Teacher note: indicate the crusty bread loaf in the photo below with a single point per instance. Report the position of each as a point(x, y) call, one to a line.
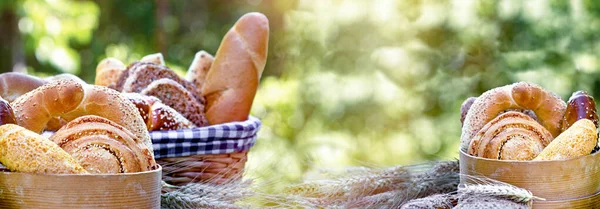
point(548, 108)
point(70, 99)
point(102, 146)
point(140, 75)
point(176, 96)
point(13, 85)
point(25, 151)
point(233, 78)
point(578, 140)
point(158, 116)
point(108, 72)
point(199, 68)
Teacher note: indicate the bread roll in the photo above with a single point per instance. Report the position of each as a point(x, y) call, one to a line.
point(510, 136)
point(7, 115)
point(102, 146)
point(580, 105)
point(108, 72)
point(233, 78)
point(24, 151)
point(577, 140)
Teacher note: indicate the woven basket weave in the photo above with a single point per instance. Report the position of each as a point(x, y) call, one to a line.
point(215, 154)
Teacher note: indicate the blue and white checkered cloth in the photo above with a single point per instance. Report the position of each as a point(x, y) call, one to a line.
point(216, 139)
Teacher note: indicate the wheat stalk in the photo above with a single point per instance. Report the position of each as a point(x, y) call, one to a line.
point(205, 195)
point(486, 187)
point(376, 188)
point(490, 203)
point(438, 201)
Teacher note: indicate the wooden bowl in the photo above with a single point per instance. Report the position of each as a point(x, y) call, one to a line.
point(572, 183)
point(130, 190)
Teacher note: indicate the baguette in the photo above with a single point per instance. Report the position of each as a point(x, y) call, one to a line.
point(232, 81)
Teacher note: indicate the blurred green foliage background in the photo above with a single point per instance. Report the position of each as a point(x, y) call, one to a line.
point(347, 83)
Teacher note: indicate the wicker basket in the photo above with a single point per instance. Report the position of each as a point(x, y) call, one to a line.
point(215, 154)
point(219, 168)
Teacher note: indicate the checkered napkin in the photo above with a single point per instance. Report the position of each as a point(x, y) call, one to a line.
point(216, 139)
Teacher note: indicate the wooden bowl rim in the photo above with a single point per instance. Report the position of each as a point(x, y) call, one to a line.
point(526, 162)
point(157, 170)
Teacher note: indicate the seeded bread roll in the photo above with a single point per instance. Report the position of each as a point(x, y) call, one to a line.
point(232, 81)
point(577, 140)
point(24, 151)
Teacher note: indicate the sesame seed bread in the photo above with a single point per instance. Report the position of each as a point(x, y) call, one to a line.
point(22, 150)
